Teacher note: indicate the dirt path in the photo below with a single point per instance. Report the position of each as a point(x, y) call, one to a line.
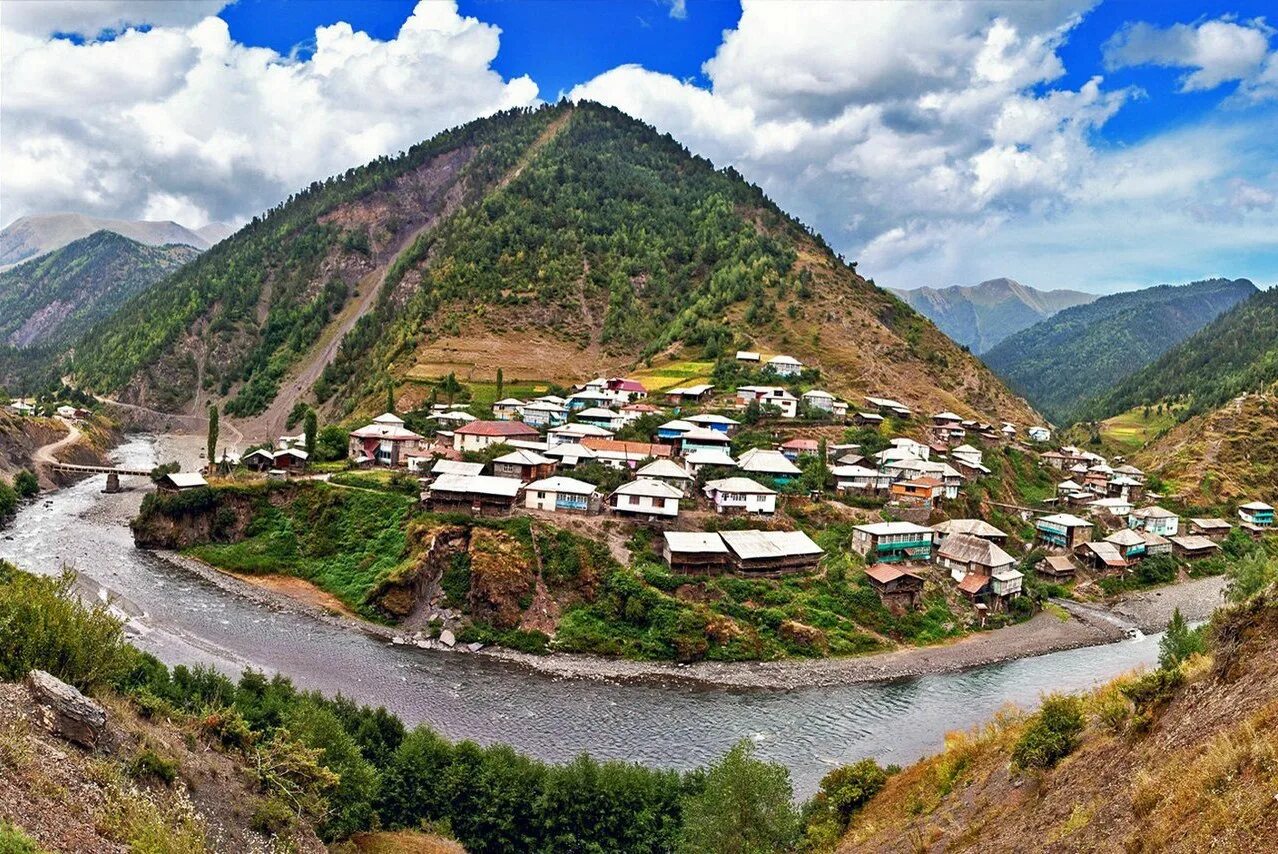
point(47, 455)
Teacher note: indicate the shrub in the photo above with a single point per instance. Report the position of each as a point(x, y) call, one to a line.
point(843, 791)
point(271, 817)
point(1051, 735)
point(149, 765)
point(25, 484)
point(1179, 642)
point(1158, 569)
point(745, 806)
point(14, 841)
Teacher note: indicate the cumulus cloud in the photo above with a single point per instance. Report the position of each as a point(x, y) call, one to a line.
point(1220, 51)
point(181, 121)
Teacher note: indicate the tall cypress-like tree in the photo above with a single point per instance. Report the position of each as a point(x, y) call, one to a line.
point(501, 384)
point(211, 449)
point(390, 398)
point(310, 429)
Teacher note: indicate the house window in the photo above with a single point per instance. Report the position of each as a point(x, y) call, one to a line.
point(541, 495)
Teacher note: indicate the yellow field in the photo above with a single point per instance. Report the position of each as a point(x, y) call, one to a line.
point(662, 377)
point(1130, 431)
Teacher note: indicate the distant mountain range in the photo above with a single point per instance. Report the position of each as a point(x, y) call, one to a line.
point(32, 236)
point(980, 316)
point(1082, 352)
point(55, 298)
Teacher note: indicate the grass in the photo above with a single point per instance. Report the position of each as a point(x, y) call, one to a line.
point(1129, 431)
point(662, 377)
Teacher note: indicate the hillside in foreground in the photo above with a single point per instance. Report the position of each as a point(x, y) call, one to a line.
point(1181, 760)
point(558, 244)
point(980, 316)
point(56, 298)
point(1065, 361)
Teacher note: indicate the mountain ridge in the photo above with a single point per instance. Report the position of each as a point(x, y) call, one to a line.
point(980, 316)
point(35, 235)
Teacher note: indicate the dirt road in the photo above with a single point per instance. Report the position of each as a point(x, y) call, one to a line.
point(47, 455)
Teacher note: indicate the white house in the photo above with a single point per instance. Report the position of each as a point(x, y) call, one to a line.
point(741, 494)
point(646, 497)
point(478, 435)
point(386, 440)
point(698, 460)
point(1116, 506)
point(1154, 520)
point(887, 404)
point(570, 454)
point(668, 471)
point(1039, 434)
point(818, 399)
point(722, 423)
point(860, 479)
point(598, 416)
point(575, 432)
point(747, 356)
point(543, 413)
point(559, 494)
point(768, 462)
point(509, 409)
point(768, 395)
point(785, 366)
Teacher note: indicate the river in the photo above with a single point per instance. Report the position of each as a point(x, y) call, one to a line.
point(183, 618)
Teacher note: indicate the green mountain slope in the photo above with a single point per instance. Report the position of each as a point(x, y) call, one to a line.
point(53, 299)
point(1064, 361)
point(564, 241)
point(980, 316)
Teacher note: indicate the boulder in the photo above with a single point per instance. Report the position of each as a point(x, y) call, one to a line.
point(66, 712)
point(447, 638)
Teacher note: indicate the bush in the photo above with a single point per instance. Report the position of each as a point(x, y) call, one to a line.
point(14, 841)
point(1158, 569)
point(271, 817)
point(8, 499)
point(745, 806)
point(1179, 642)
point(26, 484)
point(149, 765)
point(843, 791)
point(1051, 735)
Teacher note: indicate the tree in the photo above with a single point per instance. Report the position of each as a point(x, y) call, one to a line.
point(25, 484)
point(1179, 642)
point(213, 431)
point(450, 387)
point(310, 429)
point(330, 444)
point(744, 808)
point(390, 398)
point(843, 792)
point(501, 384)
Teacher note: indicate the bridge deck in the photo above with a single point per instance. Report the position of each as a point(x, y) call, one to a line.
point(72, 467)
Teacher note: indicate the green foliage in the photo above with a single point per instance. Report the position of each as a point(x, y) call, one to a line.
point(43, 627)
point(1064, 361)
point(25, 484)
point(211, 446)
point(1251, 574)
point(1051, 734)
point(8, 499)
point(743, 808)
point(310, 429)
point(158, 473)
point(330, 444)
point(150, 766)
point(14, 841)
point(1179, 642)
point(842, 793)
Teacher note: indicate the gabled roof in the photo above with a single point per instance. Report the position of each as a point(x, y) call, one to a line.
point(695, 542)
point(523, 457)
point(495, 429)
point(743, 485)
point(784, 360)
point(677, 424)
point(559, 483)
point(638, 450)
point(765, 461)
point(1195, 543)
point(801, 444)
point(186, 479)
point(974, 527)
point(290, 452)
point(761, 545)
point(570, 449)
point(1107, 552)
point(1154, 512)
point(711, 418)
point(388, 418)
point(854, 471)
point(689, 390)
point(887, 529)
point(540, 405)
point(509, 401)
point(1255, 505)
point(816, 392)
point(886, 573)
point(947, 416)
point(503, 487)
point(579, 429)
point(973, 583)
point(1125, 537)
point(1066, 520)
point(649, 488)
point(664, 468)
point(599, 412)
point(709, 457)
point(456, 467)
point(1211, 524)
point(966, 548)
point(388, 427)
point(705, 434)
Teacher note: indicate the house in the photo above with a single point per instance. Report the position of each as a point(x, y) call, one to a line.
point(964, 554)
point(1257, 513)
point(970, 527)
point(509, 409)
point(1193, 548)
point(947, 427)
point(771, 552)
point(570, 454)
point(694, 553)
point(480, 495)
point(968, 455)
point(1007, 585)
point(860, 479)
point(385, 441)
point(65, 411)
point(259, 460)
point(1039, 434)
point(651, 498)
point(818, 399)
point(785, 366)
point(888, 406)
point(1154, 519)
point(918, 492)
point(289, 459)
point(575, 433)
point(1128, 488)
point(748, 356)
point(1155, 544)
point(1213, 529)
point(561, 495)
point(1059, 568)
point(741, 495)
point(624, 455)
point(792, 449)
point(722, 423)
point(668, 471)
point(453, 418)
point(445, 466)
point(766, 395)
point(543, 413)
point(478, 435)
point(703, 439)
point(899, 588)
point(1117, 507)
point(910, 448)
point(633, 411)
point(598, 416)
point(1062, 531)
point(1101, 556)
point(867, 419)
point(769, 463)
point(622, 390)
point(22, 407)
point(839, 409)
point(180, 481)
point(892, 542)
point(523, 465)
point(689, 393)
point(1130, 544)
point(698, 460)
point(672, 430)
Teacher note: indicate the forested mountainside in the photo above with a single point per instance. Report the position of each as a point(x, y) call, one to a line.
point(31, 236)
point(1235, 353)
point(1063, 362)
point(55, 298)
point(980, 316)
point(571, 239)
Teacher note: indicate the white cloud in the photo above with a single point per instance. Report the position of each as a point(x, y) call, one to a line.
point(91, 17)
point(678, 9)
point(182, 121)
point(1220, 51)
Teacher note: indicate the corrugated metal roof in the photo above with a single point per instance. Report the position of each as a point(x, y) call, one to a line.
point(695, 542)
point(761, 545)
point(562, 484)
point(504, 487)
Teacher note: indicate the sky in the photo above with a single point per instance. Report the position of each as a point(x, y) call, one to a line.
point(1099, 146)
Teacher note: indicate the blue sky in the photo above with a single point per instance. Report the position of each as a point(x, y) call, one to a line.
point(1065, 143)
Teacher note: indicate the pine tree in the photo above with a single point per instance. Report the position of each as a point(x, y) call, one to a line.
point(390, 398)
point(501, 385)
point(310, 430)
point(211, 449)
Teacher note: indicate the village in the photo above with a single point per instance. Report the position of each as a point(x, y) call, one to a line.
point(711, 473)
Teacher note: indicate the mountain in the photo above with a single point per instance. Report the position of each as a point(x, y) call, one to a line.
point(556, 243)
point(1063, 361)
point(980, 316)
point(215, 232)
point(31, 236)
point(53, 299)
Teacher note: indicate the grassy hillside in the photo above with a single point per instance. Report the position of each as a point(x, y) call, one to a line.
point(1065, 361)
point(980, 316)
point(54, 299)
point(558, 243)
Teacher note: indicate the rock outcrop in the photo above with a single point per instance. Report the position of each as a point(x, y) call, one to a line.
point(66, 712)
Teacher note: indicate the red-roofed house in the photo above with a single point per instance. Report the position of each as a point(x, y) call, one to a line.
point(386, 441)
point(478, 435)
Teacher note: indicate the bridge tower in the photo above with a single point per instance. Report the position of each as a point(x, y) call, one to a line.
point(113, 483)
